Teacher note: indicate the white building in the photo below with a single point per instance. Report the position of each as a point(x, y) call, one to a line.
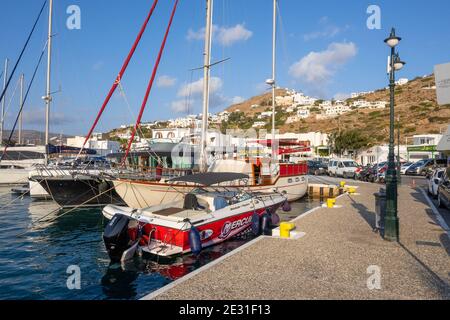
point(102, 147)
point(284, 101)
point(401, 82)
point(424, 147)
point(360, 94)
point(380, 154)
point(303, 113)
point(292, 119)
point(259, 124)
point(173, 134)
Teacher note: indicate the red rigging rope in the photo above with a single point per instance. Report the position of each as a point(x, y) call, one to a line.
point(150, 84)
point(121, 73)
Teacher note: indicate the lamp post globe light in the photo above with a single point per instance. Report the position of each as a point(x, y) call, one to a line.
point(391, 232)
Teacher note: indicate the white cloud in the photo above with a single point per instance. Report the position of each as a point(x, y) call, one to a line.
point(179, 106)
point(37, 117)
point(165, 81)
point(327, 30)
point(237, 100)
point(342, 96)
point(195, 89)
point(318, 68)
point(193, 96)
point(224, 36)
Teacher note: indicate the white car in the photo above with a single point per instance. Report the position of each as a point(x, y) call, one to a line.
point(405, 167)
point(342, 168)
point(434, 180)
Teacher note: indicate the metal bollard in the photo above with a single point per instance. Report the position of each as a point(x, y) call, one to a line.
point(380, 210)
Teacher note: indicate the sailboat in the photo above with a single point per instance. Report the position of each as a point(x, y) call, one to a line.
point(16, 164)
point(266, 174)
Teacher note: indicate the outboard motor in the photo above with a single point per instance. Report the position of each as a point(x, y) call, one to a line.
point(265, 224)
point(256, 225)
point(195, 240)
point(116, 237)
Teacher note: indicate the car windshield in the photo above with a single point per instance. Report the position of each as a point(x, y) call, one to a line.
point(408, 164)
point(350, 164)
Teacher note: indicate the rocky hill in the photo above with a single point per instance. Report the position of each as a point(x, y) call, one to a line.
point(416, 105)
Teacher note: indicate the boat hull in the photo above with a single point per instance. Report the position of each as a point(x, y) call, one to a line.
point(169, 236)
point(13, 176)
point(83, 192)
point(141, 194)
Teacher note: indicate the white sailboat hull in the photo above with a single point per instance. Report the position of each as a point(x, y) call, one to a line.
point(13, 176)
point(145, 194)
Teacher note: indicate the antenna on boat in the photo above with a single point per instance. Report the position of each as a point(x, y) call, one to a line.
point(206, 75)
point(48, 97)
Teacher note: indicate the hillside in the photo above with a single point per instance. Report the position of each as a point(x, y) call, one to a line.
point(416, 104)
point(33, 136)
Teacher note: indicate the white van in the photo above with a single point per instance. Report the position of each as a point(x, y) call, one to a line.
point(342, 168)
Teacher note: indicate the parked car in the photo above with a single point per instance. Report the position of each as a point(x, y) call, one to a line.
point(342, 168)
point(444, 190)
point(405, 166)
point(434, 180)
point(422, 167)
point(316, 168)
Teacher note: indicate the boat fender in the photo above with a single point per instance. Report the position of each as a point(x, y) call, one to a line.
point(256, 226)
point(275, 219)
point(195, 241)
point(265, 224)
point(286, 206)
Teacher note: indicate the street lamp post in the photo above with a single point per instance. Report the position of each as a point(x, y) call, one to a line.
point(399, 166)
point(391, 232)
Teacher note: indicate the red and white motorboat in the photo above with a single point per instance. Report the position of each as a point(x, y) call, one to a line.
point(204, 217)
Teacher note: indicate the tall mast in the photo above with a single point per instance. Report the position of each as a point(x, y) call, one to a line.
point(206, 75)
point(48, 97)
point(2, 122)
point(274, 44)
point(20, 106)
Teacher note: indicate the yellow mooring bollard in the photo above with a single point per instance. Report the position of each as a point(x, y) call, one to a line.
point(285, 229)
point(342, 184)
point(330, 203)
point(351, 190)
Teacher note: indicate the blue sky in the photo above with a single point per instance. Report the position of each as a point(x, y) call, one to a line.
point(324, 49)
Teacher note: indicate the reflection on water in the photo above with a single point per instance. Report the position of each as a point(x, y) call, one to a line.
point(38, 243)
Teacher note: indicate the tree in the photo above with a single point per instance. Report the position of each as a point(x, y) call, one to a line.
point(351, 141)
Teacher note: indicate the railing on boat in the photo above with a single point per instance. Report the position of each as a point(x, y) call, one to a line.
point(291, 169)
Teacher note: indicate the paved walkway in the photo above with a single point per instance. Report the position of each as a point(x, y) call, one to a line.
point(331, 261)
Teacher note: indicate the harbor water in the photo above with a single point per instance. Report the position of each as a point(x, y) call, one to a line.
point(41, 248)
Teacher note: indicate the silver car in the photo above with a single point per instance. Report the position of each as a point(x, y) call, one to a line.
point(434, 180)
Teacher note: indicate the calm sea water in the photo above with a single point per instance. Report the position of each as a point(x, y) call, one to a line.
point(38, 243)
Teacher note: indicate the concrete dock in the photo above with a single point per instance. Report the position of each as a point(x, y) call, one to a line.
point(339, 257)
